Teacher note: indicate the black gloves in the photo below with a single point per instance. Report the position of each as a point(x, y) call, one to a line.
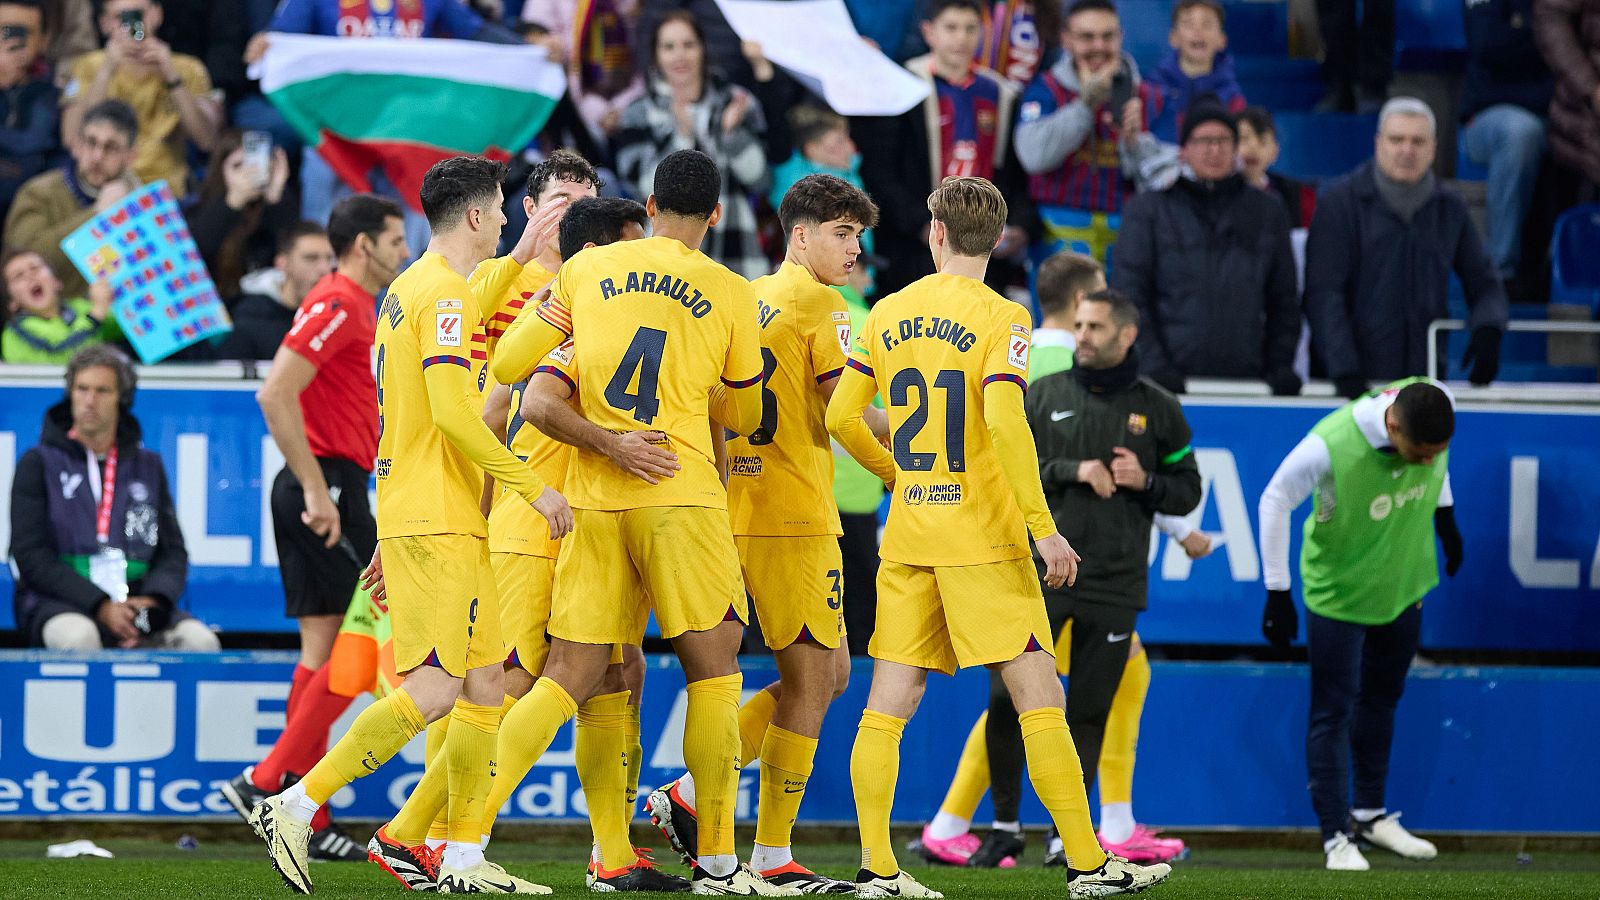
point(1284, 383)
point(1483, 355)
point(1279, 622)
point(1350, 386)
point(1444, 523)
point(1170, 379)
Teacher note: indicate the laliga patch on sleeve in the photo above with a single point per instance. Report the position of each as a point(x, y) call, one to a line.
point(844, 337)
point(448, 329)
point(1029, 111)
point(563, 353)
point(1018, 355)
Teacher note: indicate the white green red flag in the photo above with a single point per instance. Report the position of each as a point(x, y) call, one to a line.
point(400, 106)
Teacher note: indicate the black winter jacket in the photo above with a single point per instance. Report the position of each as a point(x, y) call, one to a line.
point(1072, 422)
point(1373, 282)
point(1210, 266)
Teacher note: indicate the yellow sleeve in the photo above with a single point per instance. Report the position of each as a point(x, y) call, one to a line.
point(454, 401)
point(491, 284)
point(1004, 381)
point(739, 408)
point(829, 336)
point(851, 396)
point(541, 326)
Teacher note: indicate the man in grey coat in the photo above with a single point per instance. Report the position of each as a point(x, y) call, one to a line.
point(1382, 245)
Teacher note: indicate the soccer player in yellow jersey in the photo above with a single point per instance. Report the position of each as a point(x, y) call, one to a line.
point(950, 357)
point(662, 332)
point(432, 453)
point(786, 525)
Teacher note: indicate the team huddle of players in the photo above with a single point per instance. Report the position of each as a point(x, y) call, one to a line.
point(657, 431)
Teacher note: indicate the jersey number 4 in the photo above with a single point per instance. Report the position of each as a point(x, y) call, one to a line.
point(644, 357)
point(954, 384)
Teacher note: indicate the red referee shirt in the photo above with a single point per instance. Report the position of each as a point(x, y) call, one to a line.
point(333, 330)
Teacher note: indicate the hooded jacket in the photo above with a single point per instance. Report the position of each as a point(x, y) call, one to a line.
point(1211, 268)
point(260, 318)
point(1178, 92)
point(53, 521)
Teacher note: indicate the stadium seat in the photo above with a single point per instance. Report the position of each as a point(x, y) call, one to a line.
point(1258, 27)
point(1429, 34)
point(1466, 169)
point(1321, 146)
point(1145, 24)
point(1575, 270)
point(1279, 83)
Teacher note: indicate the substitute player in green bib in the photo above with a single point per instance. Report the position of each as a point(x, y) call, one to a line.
point(1378, 469)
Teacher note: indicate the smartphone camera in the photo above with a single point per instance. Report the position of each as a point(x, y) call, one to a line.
point(256, 148)
point(132, 21)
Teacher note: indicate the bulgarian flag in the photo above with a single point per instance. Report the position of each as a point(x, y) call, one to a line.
point(403, 105)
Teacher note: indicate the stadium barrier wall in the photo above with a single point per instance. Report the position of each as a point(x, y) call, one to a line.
point(151, 735)
point(1527, 500)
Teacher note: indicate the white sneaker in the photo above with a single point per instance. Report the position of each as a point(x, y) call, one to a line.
point(1345, 856)
point(742, 882)
point(1386, 832)
point(485, 878)
point(1115, 876)
point(871, 884)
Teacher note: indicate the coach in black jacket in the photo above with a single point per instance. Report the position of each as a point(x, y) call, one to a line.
point(1209, 264)
point(1113, 451)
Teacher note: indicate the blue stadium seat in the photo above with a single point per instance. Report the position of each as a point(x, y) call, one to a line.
point(1258, 27)
point(1466, 169)
point(1145, 24)
point(1429, 34)
point(1320, 146)
point(1278, 82)
point(1575, 270)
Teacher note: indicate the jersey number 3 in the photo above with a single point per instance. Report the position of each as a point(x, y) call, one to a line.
point(954, 384)
point(644, 357)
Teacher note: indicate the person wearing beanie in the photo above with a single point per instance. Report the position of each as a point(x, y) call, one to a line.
point(1209, 265)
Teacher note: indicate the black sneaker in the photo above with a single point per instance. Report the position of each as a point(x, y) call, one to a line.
point(802, 879)
point(1000, 850)
point(641, 876)
point(331, 844)
point(676, 820)
point(415, 867)
point(1055, 853)
point(242, 793)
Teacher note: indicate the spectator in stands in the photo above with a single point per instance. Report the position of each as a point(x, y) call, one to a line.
point(266, 309)
point(1357, 60)
point(1504, 100)
point(170, 93)
point(1209, 265)
point(822, 146)
point(240, 212)
point(42, 328)
point(1568, 31)
point(1197, 67)
point(52, 205)
point(1258, 150)
point(71, 34)
point(598, 53)
point(1082, 132)
point(29, 117)
point(1378, 260)
point(904, 159)
point(99, 555)
point(689, 107)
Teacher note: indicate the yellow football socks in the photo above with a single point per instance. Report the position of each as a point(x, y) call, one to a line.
point(1122, 731)
point(972, 773)
point(710, 751)
point(635, 758)
point(528, 729)
point(599, 747)
point(786, 760)
point(468, 755)
point(376, 735)
point(1057, 778)
point(874, 767)
point(423, 813)
point(754, 717)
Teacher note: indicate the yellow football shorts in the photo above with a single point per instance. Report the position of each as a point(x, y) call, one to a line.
point(798, 587)
point(525, 584)
point(944, 617)
point(443, 602)
point(618, 565)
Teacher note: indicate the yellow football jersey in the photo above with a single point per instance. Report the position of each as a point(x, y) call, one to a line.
point(780, 478)
point(931, 348)
point(514, 525)
point(426, 485)
point(660, 324)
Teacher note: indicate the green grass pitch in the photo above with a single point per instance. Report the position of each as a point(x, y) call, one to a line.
point(148, 868)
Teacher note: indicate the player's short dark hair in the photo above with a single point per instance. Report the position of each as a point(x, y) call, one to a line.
point(1063, 277)
point(938, 8)
point(1083, 6)
point(562, 165)
point(1184, 6)
point(820, 198)
point(688, 184)
point(1123, 312)
point(113, 359)
point(973, 212)
point(598, 221)
point(359, 214)
point(455, 185)
point(288, 236)
point(1259, 119)
point(115, 113)
point(1425, 413)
